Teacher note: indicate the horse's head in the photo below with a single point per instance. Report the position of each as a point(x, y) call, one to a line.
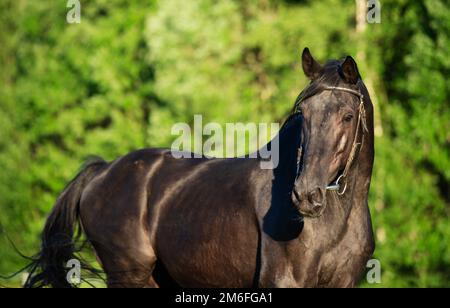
point(333, 124)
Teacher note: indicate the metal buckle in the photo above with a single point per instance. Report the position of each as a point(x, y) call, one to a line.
point(337, 186)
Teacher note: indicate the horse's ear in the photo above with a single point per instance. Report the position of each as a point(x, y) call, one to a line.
point(311, 67)
point(350, 70)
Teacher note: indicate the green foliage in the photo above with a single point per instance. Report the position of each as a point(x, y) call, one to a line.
point(119, 80)
point(412, 175)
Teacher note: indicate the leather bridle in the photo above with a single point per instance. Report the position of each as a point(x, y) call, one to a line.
point(336, 186)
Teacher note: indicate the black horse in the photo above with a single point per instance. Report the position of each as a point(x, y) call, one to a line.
point(154, 220)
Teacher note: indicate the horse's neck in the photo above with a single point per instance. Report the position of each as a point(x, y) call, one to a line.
point(283, 149)
point(346, 216)
point(281, 219)
point(285, 145)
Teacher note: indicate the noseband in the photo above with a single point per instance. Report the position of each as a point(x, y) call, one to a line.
point(336, 186)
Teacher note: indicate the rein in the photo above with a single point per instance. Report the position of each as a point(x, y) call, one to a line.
point(361, 122)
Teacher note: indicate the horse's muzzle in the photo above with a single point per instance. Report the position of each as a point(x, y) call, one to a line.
point(311, 204)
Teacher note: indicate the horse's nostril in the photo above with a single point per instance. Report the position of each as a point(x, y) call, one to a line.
point(317, 209)
point(297, 196)
point(316, 196)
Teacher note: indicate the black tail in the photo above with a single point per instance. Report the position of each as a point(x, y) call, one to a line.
point(48, 268)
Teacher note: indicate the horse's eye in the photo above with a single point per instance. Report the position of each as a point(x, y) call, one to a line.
point(348, 117)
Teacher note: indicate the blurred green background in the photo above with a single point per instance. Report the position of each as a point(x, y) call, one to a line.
point(121, 78)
